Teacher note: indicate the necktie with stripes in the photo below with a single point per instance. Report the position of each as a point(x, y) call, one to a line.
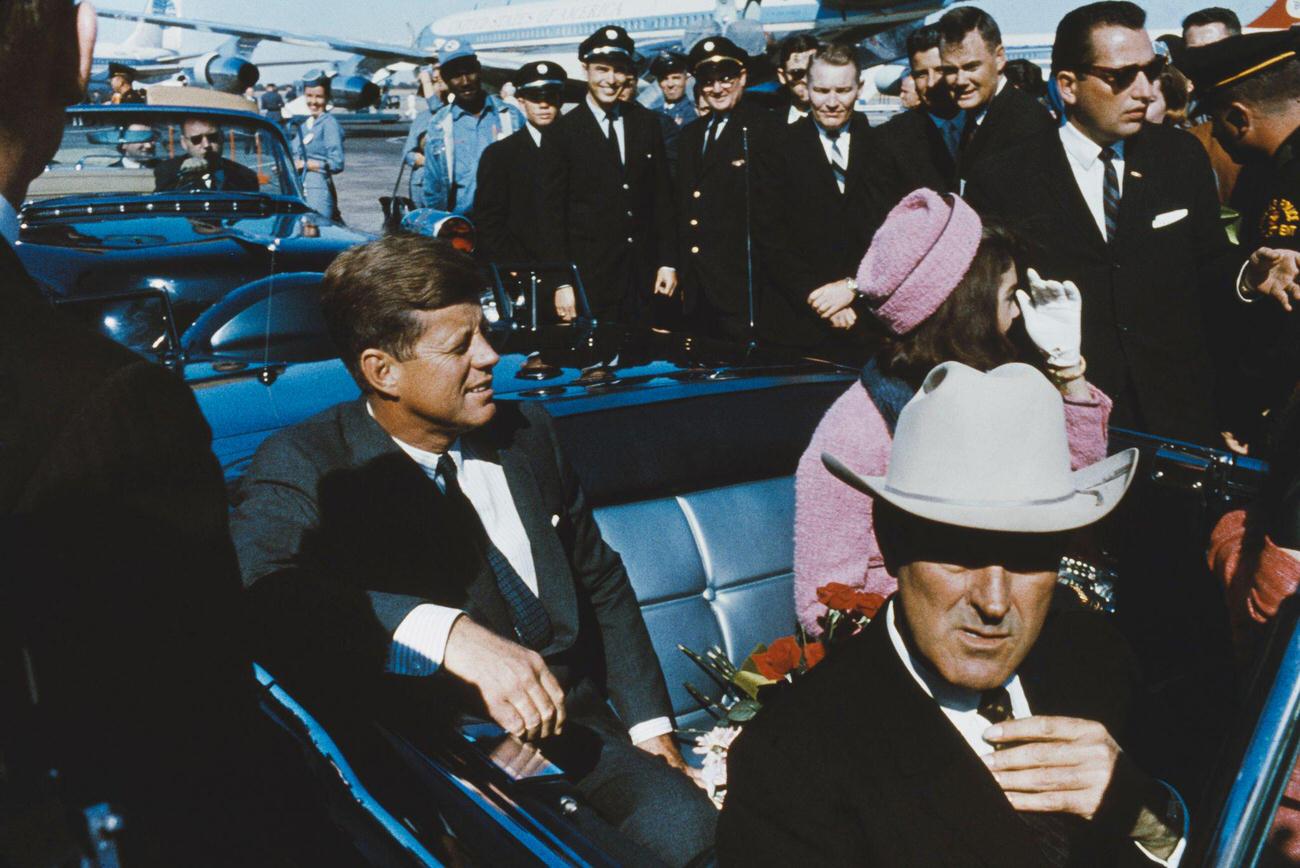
point(532, 624)
point(838, 163)
point(1110, 194)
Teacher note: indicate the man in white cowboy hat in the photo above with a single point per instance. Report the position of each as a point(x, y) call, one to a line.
point(973, 722)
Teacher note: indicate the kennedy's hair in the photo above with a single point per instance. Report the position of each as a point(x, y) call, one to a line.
point(796, 43)
point(922, 39)
point(38, 46)
point(965, 326)
point(370, 292)
point(837, 54)
point(957, 22)
point(1214, 15)
point(1073, 48)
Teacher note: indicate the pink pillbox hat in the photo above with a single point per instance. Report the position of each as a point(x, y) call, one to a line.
point(917, 258)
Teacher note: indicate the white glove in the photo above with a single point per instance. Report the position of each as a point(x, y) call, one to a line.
point(1053, 312)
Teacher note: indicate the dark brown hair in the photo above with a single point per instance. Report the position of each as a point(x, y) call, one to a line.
point(370, 292)
point(965, 326)
point(38, 45)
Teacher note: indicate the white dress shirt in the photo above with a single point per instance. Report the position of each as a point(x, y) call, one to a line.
point(8, 222)
point(602, 118)
point(984, 109)
point(961, 706)
point(794, 115)
point(713, 132)
point(840, 142)
point(420, 641)
point(1084, 157)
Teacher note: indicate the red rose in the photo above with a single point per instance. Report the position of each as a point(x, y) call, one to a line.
point(783, 655)
point(838, 596)
point(867, 604)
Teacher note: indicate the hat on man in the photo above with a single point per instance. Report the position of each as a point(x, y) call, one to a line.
point(989, 451)
point(1238, 57)
point(610, 42)
point(917, 258)
point(540, 75)
point(666, 63)
point(715, 49)
point(123, 70)
point(456, 54)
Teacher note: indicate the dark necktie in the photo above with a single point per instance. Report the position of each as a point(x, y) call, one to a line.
point(968, 130)
point(613, 136)
point(838, 164)
point(1049, 829)
point(1110, 194)
point(532, 624)
point(714, 125)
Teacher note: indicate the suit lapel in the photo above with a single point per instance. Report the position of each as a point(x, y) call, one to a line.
point(595, 128)
point(859, 151)
point(816, 161)
point(1132, 203)
point(1059, 177)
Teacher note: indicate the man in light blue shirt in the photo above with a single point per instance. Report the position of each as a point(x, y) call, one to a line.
point(458, 133)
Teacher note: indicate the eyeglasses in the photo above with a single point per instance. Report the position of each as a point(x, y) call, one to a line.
point(797, 74)
point(1121, 78)
point(726, 79)
point(199, 139)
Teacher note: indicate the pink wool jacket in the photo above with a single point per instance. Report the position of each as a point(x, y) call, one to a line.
point(833, 536)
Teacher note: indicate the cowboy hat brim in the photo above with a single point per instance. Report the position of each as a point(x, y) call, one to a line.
point(1098, 488)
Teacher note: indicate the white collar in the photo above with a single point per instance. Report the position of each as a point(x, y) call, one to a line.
point(427, 460)
point(8, 222)
point(534, 132)
point(600, 113)
point(1084, 150)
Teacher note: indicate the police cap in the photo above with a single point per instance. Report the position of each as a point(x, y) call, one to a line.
point(715, 49)
point(1237, 58)
point(609, 42)
point(123, 70)
point(539, 75)
point(666, 63)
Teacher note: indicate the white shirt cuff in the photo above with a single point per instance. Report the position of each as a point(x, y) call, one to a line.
point(650, 729)
point(1175, 857)
point(1241, 283)
point(420, 641)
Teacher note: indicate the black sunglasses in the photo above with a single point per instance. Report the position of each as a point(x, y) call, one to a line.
point(215, 138)
point(1121, 78)
point(797, 74)
point(723, 78)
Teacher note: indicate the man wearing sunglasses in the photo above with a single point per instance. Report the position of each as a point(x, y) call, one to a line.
point(793, 59)
point(1129, 212)
point(203, 167)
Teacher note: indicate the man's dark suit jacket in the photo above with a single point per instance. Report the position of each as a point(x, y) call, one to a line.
point(910, 154)
point(1013, 117)
point(506, 208)
point(715, 226)
point(857, 765)
point(809, 233)
point(239, 178)
point(340, 535)
point(1146, 298)
point(615, 221)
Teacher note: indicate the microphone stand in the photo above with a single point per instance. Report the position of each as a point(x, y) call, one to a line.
point(749, 235)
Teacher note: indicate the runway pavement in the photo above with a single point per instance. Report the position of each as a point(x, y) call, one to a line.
point(370, 170)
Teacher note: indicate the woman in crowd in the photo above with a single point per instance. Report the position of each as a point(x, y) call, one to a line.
point(943, 285)
point(318, 151)
point(1172, 94)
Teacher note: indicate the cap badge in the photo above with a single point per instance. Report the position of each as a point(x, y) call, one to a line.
point(611, 33)
point(450, 45)
point(708, 46)
point(541, 67)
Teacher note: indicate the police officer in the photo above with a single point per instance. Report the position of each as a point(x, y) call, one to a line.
point(715, 190)
point(669, 69)
point(121, 81)
point(506, 210)
point(460, 132)
point(606, 193)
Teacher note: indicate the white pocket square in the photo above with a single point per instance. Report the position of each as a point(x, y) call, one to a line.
point(555, 521)
point(1168, 217)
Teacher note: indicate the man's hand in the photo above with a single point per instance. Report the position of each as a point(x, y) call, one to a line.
point(566, 303)
point(666, 282)
point(520, 693)
point(845, 319)
point(664, 747)
point(831, 298)
point(1273, 272)
point(1068, 765)
point(299, 165)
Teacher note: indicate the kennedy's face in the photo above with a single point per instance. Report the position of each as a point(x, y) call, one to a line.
point(971, 69)
point(833, 90)
point(974, 601)
point(605, 80)
point(673, 85)
point(446, 382)
point(202, 139)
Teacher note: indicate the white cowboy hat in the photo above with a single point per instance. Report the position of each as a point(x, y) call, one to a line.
point(989, 451)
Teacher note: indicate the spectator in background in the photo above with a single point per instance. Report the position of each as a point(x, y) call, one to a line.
point(944, 286)
point(669, 69)
point(458, 133)
point(792, 60)
point(271, 103)
point(997, 117)
point(432, 95)
point(318, 150)
point(1026, 76)
point(701, 104)
point(1201, 28)
point(1208, 25)
point(1170, 98)
point(121, 81)
point(907, 94)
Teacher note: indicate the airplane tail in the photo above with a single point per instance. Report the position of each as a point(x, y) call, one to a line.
point(1283, 13)
point(148, 35)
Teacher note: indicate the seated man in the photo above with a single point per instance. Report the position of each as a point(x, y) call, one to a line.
point(967, 724)
point(424, 531)
point(204, 168)
point(137, 146)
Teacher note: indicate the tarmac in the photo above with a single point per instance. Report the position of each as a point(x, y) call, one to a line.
point(370, 168)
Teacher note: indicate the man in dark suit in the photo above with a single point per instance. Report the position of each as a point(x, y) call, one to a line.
point(824, 163)
point(204, 168)
point(424, 532)
point(1128, 211)
point(715, 195)
point(918, 147)
point(975, 720)
point(506, 209)
point(997, 117)
point(607, 195)
point(793, 57)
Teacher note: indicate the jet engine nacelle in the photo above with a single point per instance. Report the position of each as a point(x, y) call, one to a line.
point(353, 92)
point(226, 72)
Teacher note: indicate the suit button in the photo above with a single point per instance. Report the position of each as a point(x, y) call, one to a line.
point(626, 187)
point(695, 250)
point(629, 213)
point(694, 222)
point(696, 194)
point(629, 240)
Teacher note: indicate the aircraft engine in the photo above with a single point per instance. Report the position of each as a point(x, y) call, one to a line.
point(226, 72)
point(353, 92)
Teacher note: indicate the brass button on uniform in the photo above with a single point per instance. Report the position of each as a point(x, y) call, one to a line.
point(696, 194)
point(694, 222)
point(695, 250)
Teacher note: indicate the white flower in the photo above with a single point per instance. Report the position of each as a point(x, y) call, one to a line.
point(716, 740)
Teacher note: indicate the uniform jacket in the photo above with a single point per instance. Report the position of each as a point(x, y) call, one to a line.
point(1147, 297)
point(715, 225)
point(1013, 117)
point(440, 153)
point(340, 535)
point(911, 154)
point(506, 210)
point(615, 222)
point(883, 778)
point(808, 232)
point(324, 144)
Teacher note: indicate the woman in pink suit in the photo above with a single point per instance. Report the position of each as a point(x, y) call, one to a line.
point(944, 285)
